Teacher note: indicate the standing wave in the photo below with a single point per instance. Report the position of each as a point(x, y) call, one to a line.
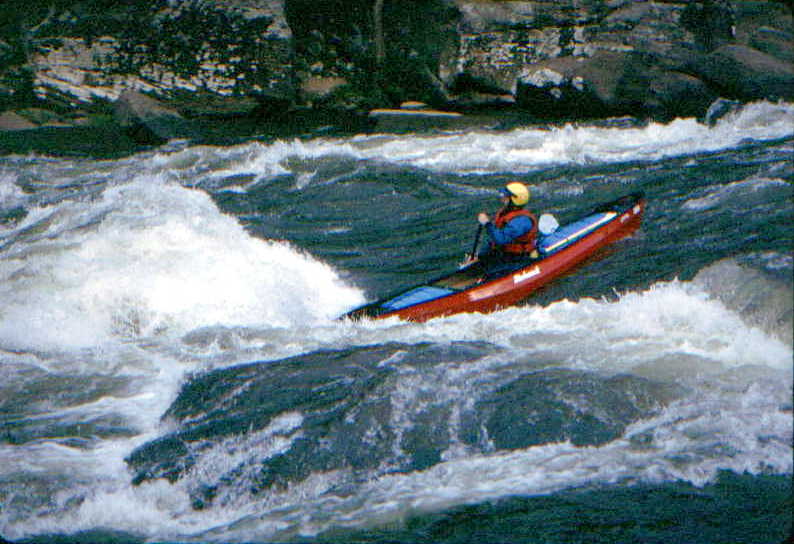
point(519, 150)
point(146, 259)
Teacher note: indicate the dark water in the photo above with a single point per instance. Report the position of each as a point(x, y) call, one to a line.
point(173, 370)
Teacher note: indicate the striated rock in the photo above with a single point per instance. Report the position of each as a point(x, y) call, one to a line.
point(653, 29)
point(564, 59)
point(508, 37)
point(567, 59)
point(571, 59)
point(72, 72)
point(226, 48)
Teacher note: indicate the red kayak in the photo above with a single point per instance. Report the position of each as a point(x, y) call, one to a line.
point(471, 289)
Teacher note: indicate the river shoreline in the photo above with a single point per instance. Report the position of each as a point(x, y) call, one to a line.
point(100, 136)
point(225, 70)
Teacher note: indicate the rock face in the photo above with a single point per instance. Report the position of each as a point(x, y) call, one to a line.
point(169, 49)
point(657, 59)
point(554, 60)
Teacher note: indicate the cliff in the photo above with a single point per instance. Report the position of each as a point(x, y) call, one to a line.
point(562, 59)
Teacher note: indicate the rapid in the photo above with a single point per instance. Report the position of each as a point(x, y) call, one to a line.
point(173, 368)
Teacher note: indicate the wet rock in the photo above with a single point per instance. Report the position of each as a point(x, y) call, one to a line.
point(744, 73)
point(759, 287)
point(10, 120)
point(719, 109)
point(606, 84)
point(148, 120)
point(675, 94)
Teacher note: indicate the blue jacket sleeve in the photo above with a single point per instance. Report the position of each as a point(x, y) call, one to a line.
point(515, 228)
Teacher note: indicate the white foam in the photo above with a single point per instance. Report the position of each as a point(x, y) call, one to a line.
point(640, 328)
point(735, 415)
point(517, 150)
point(149, 259)
point(10, 194)
point(648, 332)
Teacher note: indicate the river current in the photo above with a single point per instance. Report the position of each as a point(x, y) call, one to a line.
point(173, 369)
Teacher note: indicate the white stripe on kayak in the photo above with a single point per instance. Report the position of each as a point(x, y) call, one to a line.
point(608, 217)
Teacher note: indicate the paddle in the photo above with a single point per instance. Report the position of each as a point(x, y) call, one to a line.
point(473, 253)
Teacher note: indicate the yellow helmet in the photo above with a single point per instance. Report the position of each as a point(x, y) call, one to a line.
point(517, 192)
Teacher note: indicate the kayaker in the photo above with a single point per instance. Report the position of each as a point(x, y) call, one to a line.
point(512, 232)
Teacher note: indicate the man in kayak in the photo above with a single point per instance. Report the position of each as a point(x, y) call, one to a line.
point(513, 232)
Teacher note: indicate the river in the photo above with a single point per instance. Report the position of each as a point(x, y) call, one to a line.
point(173, 369)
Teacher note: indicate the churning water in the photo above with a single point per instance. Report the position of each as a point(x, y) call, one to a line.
point(173, 369)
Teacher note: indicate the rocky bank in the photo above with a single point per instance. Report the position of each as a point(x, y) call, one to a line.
point(67, 62)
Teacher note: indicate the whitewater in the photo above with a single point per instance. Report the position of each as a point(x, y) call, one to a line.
point(173, 368)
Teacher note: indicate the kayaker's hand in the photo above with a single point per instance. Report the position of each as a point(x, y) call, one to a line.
point(483, 218)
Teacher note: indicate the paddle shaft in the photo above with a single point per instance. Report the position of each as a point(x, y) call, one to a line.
point(476, 241)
